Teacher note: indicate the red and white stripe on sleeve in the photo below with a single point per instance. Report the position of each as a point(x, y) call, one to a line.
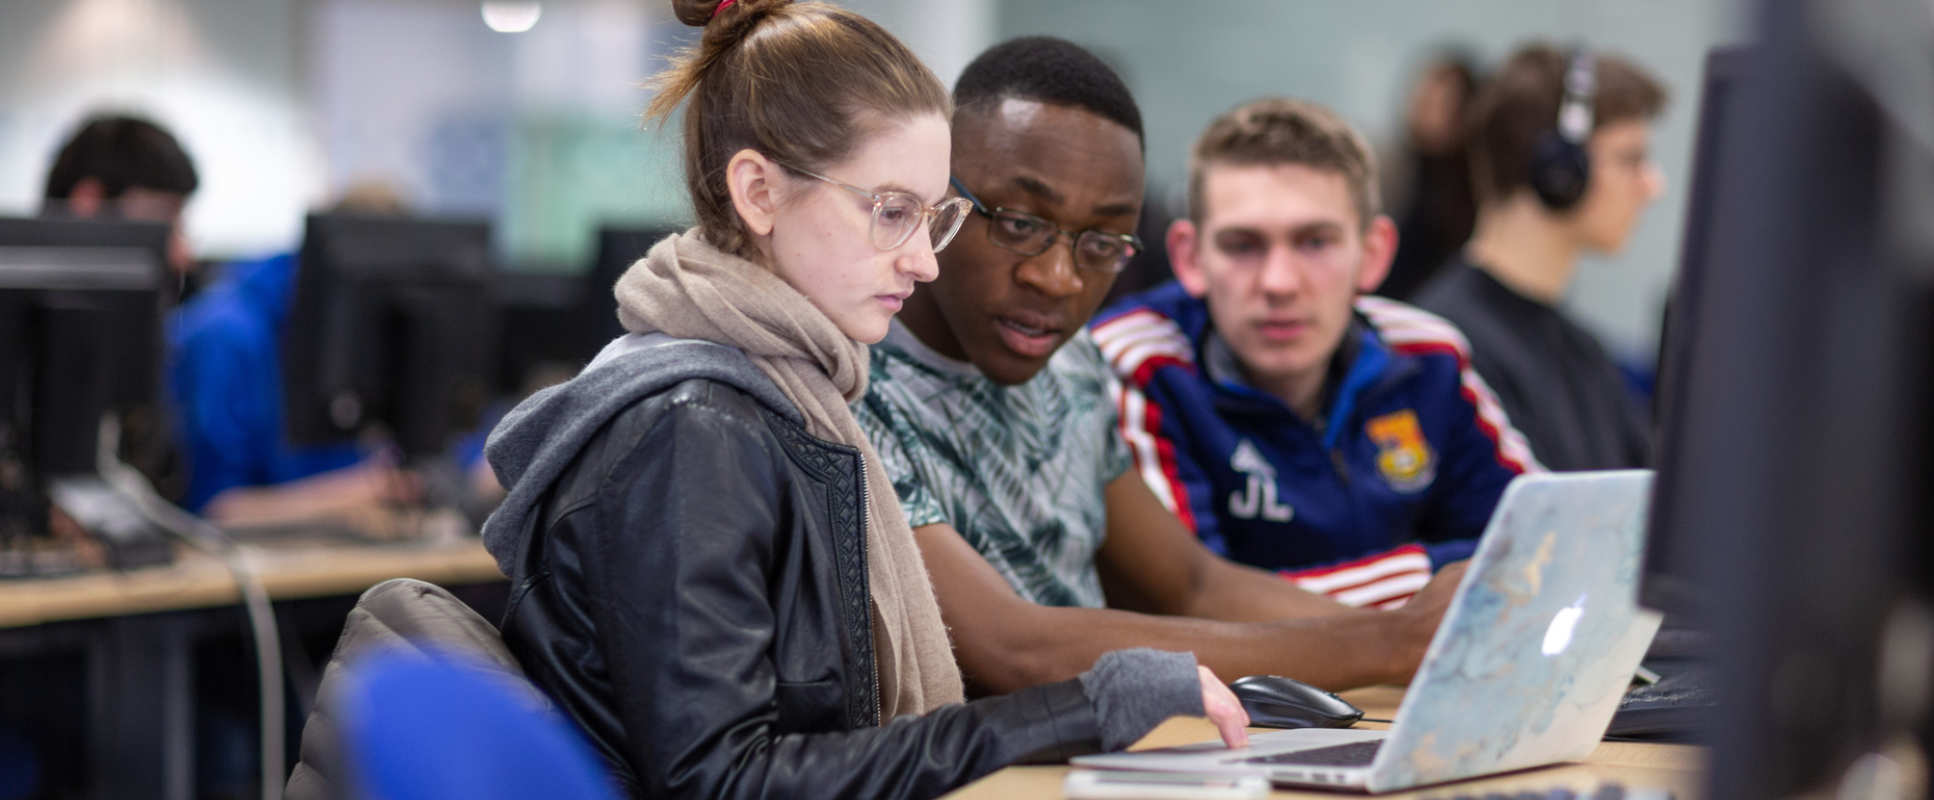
point(1414, 331)
point(1384, 580)
point(1135, 344)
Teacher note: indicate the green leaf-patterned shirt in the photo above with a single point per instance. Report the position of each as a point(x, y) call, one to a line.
point(1019, 471)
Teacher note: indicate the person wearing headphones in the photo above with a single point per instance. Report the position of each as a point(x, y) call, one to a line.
point(1560, 156)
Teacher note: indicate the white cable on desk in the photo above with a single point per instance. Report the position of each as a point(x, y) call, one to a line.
point(198, 533)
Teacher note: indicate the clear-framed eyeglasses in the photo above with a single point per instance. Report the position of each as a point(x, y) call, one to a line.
point(896, 215)
point(1096, 251)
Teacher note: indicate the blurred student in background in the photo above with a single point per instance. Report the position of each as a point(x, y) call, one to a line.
point(1427, 179)
point(121, 166)
point(225, 378)
point(1560, 146)
point(226, 455)
point(114, 166)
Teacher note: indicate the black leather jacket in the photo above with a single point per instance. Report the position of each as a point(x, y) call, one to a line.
point(693, 593)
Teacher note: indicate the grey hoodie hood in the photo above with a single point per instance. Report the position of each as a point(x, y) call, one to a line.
point(533, 444)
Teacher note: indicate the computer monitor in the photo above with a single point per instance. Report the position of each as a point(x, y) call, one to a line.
point(138, 378)
point(564, 318)
point(80, 339)
point(1671, 583)
point(542, 307)
point(1793, 485)
point(618, 248)
point(392, 328)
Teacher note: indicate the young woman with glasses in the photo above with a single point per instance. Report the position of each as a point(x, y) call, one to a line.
point(710, 572)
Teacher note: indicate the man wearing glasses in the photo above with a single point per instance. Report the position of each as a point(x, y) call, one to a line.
point(1294, 426)
point(992, 412)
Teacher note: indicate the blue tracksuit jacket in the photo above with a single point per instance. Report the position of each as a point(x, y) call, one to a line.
point(1399, 477)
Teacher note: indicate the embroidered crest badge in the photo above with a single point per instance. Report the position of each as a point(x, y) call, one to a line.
point(1403, 456)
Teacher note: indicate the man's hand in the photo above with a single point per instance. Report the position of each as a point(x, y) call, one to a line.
point(374, 486)
point(1425, 610)
point(380, 481)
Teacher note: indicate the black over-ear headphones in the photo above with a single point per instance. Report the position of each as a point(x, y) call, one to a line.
point(1560, 167)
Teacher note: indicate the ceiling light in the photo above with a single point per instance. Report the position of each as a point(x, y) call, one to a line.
point(506, 16)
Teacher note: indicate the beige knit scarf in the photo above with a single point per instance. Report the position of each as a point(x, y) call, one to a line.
point(687, 288)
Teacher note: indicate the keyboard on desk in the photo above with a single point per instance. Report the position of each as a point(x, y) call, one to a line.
point(1673, 708)
point(1354, 754)
point(1605, 791)
point(300, 533)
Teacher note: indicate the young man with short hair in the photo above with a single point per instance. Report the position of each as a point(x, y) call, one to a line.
point(118, 166)
point(991, 411)
point(1293, 424)
point(124, 167)
point(1559, 147)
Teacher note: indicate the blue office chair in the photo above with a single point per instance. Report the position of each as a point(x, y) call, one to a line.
point(451, 726)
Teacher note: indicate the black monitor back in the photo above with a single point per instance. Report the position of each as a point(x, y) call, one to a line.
point(80, 338)
point(133, 332)
point(1671, 580)
point(563, 319)
point(392, 327)
point(551, 340)
point(618, 248)
point(1792, 512)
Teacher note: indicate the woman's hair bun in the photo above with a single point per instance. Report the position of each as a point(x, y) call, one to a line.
point(700, 13)
point(694, 12)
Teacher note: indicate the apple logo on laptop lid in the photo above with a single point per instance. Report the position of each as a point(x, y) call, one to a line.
point(1558, 636)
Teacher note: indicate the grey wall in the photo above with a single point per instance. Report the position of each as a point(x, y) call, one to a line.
point(283, 102)
point(538, 130)
point(1186, 62)
point(222, 74)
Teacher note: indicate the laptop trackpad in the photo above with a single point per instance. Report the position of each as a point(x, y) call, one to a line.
point(1265, 744)
point(1354, 754)
point(1212, 756)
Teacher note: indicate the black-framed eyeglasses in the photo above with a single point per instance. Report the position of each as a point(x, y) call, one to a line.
point(896, 215)
point(1096, 251)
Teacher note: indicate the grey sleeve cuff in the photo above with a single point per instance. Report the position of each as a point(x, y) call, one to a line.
point(1135, 690)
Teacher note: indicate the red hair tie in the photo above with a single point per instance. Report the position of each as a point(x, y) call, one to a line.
point(723, 5)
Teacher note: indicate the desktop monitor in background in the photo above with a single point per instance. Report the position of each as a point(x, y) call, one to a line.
point(1671, 581)
point(138, 345)
point(392, 329)
point(549, 342)
point(80, 342)
point(563, 319)
point(1794, 502)
point(618, 248)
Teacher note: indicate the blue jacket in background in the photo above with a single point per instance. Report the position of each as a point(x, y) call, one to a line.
point(225, 379)
point(1400, 478)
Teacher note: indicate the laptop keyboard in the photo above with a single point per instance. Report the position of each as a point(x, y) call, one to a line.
point(1671, 708)
point(1354, 754)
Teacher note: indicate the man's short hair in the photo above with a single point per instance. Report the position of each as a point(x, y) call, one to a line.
point(122, 152)
point(1048, 70)
point(1519, 104)
point(1277, 131)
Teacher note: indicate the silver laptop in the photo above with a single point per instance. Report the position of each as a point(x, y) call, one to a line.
point(1526, 669)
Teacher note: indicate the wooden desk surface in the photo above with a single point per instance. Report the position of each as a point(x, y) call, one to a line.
point(198, 580)
point(1678, 768)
